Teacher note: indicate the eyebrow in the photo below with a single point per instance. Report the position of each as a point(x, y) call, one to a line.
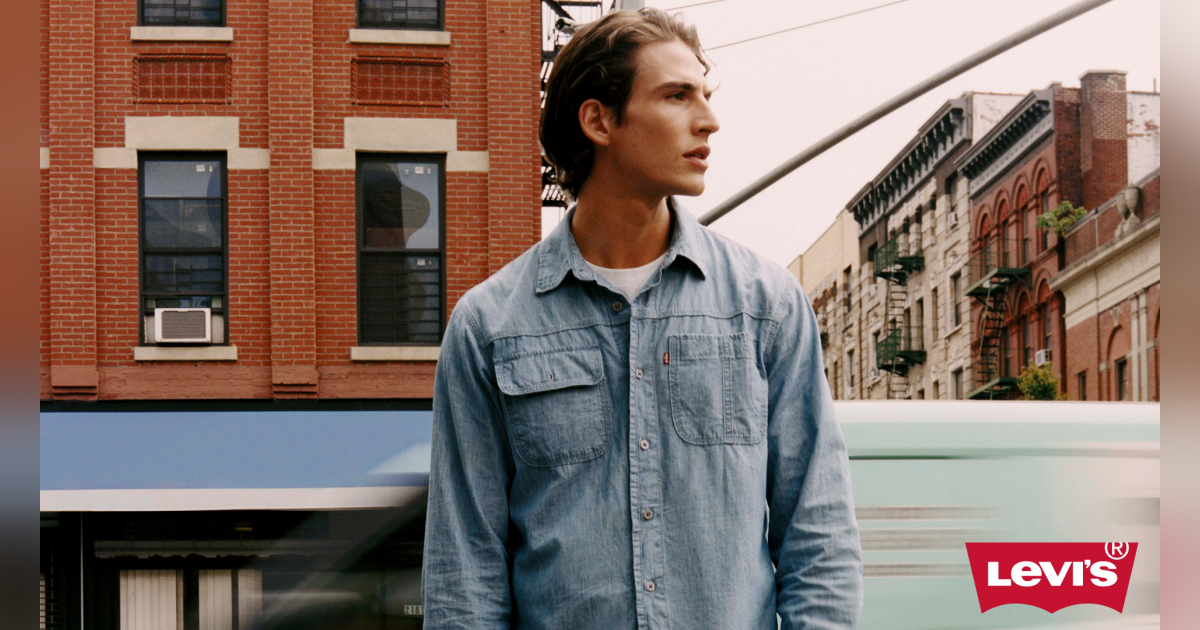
point(685, 86)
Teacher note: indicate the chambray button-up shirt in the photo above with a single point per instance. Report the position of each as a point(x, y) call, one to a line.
point(670, 462)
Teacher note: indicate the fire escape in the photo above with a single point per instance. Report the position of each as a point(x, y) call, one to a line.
point(998, 265)
point(559, 20)
point(901, 346)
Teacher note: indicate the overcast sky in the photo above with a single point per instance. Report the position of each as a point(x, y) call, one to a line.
point(780, 94)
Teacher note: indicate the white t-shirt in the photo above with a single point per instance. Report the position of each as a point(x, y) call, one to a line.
point(629, 281)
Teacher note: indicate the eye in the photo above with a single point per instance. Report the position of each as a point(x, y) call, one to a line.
point(679, 96)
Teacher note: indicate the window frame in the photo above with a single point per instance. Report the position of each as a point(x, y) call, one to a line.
point(183, 156)
point(358, 21)
point(141, 17)
point(955, 289)
point(1120, 373)
point(360, 159)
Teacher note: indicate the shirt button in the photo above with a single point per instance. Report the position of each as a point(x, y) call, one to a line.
point(645, 445)
point(617, 306)
point(639, 373)
point(648, 514)
point(650, 586)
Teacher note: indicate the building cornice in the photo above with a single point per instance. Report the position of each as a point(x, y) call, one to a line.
point(938, 138)
point(1021, 129)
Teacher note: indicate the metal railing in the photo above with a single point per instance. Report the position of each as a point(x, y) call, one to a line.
point(998, 258)
point(897, 342)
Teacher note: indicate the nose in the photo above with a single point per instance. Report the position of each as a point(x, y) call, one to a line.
point(706, 121)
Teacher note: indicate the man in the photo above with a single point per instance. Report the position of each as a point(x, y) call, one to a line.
point(631, 424)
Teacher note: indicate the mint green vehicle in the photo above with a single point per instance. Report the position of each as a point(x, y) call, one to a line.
point(931, 476)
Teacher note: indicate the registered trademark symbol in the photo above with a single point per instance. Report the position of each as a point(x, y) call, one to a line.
point(1116, 550)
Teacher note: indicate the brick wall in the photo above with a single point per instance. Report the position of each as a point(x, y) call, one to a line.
point(1104, 157)
point(292, 277)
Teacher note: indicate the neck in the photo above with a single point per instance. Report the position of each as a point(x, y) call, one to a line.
point(618, 230)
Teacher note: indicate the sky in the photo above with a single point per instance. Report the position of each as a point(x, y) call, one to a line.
point(776, 96)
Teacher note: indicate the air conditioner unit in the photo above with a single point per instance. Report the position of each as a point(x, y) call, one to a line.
point(182, 325)
point(953, 219)
point(1042, 357)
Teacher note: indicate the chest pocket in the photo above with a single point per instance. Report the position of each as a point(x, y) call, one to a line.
point(717, 393)
point(557, 406)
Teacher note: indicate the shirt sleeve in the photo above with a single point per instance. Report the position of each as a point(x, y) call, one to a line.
point(812, 531)
point(465, 574)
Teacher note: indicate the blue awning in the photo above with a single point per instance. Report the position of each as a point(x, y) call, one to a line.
point(119, 461)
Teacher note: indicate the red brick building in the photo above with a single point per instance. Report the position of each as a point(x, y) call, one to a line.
point(256, 218)
point(1081, 145)
point(284, 100)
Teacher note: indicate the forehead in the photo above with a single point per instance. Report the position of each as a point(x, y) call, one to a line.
point(668, 62)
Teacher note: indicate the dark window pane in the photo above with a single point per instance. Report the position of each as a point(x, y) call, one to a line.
point(197, 301)
point(400, 299)
point(165, 273)
point(182, 178)
point(183, 223)
point(401, 205)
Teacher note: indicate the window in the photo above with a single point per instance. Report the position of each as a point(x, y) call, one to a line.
point(1122, 379)
point(836, 384)
point(871, 261)
point(918, 331)
point(181, 12)
point(850, 370)
point(1005, 354)
point(937, 395)
point(846, 288)
point(400, 14)
point(401, 245)
point(1026, 342)
point(874, 349)
point(1081, 379)
point(1045, 233)
point(957, 375)
point(1046, 327)
point(955, 281)
point(920, 394)
point(933, 314)
point(182, 208)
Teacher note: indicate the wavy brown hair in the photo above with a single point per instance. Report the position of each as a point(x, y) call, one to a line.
point(599, 62)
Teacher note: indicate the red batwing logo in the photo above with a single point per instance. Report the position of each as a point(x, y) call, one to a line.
point(1051, 576)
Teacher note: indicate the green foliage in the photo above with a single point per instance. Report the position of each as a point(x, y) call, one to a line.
point(1061, 219)
point(1039, 383)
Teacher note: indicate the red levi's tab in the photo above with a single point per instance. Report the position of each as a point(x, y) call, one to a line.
point(1051, 576)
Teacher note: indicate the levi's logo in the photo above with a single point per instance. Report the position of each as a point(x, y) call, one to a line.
point(1051, 576)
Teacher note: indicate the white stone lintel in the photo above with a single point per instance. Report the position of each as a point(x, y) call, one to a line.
point(44, 159)
point(185, 353)
point(181, 133)
point(344, 160)
point(395, 353)
point(392, 36)
point(180, 34)
point(415, 135)
point(238, 158)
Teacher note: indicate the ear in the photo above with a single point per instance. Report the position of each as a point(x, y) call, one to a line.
point(597, 122)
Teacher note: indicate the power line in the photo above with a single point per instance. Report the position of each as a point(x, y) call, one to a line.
point(696, 4)
point(794, 28)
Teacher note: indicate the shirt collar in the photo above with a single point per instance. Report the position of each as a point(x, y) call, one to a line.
point(559, 253)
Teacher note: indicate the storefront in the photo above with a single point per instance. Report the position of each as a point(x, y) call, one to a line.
point(166, 517)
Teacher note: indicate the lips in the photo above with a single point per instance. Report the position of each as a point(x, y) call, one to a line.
point(698, 156)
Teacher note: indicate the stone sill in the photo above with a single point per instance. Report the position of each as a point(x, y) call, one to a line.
point(181, 33)
point(184, 353)
point(395, 353)
point(389, 36)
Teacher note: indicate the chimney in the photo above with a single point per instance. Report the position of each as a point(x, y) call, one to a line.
point(1103, 150)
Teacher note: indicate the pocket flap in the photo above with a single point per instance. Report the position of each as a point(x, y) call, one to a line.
point(545, 371)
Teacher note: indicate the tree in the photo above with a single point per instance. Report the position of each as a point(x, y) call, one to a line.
point(1060, 219)
point(1039, 383)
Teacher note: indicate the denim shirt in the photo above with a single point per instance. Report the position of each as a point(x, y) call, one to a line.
point(667, 463)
